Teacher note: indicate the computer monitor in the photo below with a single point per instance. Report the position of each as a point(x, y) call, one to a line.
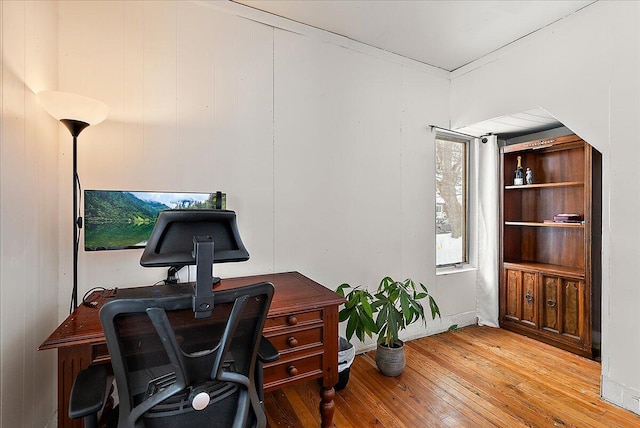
point(195, 237)
point(171, 241)
point(121, 219)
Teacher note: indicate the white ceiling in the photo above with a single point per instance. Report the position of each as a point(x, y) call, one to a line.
point(526, 122)
point(441, 33)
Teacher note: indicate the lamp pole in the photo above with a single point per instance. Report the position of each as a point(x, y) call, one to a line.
point(86, 111)
point(75, 127)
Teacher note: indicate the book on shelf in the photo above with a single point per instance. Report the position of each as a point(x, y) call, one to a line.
point(572, 218)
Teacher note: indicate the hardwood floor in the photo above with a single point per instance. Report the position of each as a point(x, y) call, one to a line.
point(473, 377)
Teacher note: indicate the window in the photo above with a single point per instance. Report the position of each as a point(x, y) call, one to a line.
point(451, 200)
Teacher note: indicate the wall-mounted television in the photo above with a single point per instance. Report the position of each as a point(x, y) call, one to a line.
point(119, 219)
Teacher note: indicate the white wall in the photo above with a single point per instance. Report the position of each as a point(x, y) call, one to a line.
point(179, 121)
point(321, 144)
point(585, 70)
point(29, 219)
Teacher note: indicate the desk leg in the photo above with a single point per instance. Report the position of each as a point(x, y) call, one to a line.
point(71, 360)
point(327, 406)
point(330, 365)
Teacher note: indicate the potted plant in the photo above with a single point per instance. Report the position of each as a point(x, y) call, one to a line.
point(395, 305)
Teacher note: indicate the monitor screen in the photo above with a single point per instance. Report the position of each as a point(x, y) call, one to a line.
point(118, 219)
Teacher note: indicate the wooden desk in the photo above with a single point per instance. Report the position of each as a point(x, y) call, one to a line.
point(302, 324)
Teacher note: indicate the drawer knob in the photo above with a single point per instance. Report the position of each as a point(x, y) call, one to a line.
point(292, 370)
point(292, 320)
point(292, 341)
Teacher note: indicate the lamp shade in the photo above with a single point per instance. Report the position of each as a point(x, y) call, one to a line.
point(65, 105)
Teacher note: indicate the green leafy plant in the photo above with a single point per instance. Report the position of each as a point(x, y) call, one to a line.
point(395, 304)
point(357, 312)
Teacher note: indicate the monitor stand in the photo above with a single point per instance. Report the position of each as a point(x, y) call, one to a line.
point(203, 253)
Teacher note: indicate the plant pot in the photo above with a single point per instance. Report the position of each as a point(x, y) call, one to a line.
point(390, 360)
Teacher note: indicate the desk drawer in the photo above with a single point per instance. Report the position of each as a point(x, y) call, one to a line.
point(99, 353)
point(292, 320)
point(285, 370)
point(294, 340)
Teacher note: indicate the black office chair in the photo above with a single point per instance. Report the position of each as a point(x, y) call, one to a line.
point(175, 370)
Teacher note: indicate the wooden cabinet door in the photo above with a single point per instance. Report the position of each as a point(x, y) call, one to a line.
point(513, 291)
point(520, 293)
point(563, 306)
point(530, 298)
point(550, 309)
point(573, 308)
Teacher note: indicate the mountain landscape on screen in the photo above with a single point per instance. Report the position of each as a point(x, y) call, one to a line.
point(115, 219)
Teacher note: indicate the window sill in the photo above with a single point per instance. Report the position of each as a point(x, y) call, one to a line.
point(453, 269)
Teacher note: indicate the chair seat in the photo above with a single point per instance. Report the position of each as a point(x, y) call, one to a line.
point(181, 402)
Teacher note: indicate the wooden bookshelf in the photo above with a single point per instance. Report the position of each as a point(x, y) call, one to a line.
point(550, 271)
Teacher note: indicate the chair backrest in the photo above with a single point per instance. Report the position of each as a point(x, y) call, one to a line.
point(167, 363)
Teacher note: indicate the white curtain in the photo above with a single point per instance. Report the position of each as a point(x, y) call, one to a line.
point(488, 232)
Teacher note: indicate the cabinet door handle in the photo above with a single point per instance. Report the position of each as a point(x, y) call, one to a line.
point(292, 341)
point(551, 303)
point(528, 297)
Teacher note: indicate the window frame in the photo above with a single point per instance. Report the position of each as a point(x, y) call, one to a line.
point(455, 138)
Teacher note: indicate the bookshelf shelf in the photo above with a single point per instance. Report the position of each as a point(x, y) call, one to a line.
point(543, 224)
point(544, 185)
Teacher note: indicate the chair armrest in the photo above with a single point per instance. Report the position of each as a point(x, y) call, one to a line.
point(267, 353)
point(89, 392)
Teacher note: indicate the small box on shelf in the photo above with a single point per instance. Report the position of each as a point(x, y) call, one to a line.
point(567, 218)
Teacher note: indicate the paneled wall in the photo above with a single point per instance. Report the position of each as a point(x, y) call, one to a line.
point(584, 70)
point(322, 145)
point(29, 217)
point(190, 92)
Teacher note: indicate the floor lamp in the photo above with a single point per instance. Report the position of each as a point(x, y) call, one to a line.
point(76, 112)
